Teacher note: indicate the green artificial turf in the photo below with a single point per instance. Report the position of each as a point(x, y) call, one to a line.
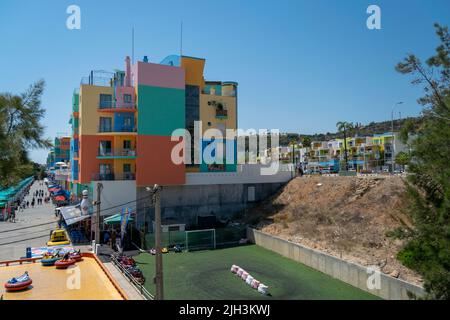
point(206, 275)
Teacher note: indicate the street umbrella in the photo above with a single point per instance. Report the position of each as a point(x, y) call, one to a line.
point(60, 198)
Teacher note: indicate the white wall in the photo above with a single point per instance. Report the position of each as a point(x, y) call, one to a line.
point(115, 193)
point(246, 173)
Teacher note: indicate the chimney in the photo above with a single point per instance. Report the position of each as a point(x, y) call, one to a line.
point(127, 72)
point(145, 59)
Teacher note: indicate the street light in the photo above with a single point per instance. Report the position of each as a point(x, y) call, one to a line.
point(393, 135)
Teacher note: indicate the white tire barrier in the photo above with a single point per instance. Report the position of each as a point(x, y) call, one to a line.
point(250, 280)
point(255, 284)
point(262, 288)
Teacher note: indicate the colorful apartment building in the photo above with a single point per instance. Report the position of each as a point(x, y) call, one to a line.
point(123, 122)
point(60, 151)
point(363, 153)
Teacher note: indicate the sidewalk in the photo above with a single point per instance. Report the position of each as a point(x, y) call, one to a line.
point(31, 229)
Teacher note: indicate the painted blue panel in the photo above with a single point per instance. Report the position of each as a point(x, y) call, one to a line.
point(172, 60)
point(123, 121)
point(230, 147)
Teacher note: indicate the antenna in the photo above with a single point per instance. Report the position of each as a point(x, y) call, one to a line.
point(181, 40)
point(132, 45)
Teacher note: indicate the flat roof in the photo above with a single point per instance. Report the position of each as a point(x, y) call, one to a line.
point(50, 283)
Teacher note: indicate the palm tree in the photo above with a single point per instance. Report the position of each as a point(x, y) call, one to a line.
point(345, 127)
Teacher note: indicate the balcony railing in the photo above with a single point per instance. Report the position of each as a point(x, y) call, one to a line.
point(113, 176)
point(102, 129)
point(117, 153)
point(110, 105)
point(221, 113)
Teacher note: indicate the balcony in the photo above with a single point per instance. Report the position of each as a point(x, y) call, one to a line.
point(113, 176)
point(117, 154)
point(222, 114)
point(110, 106)
point(108, 129)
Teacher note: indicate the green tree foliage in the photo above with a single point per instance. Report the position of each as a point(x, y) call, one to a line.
point(306, 141)
point(402, 158)
point(20, 131)
point(428, 250)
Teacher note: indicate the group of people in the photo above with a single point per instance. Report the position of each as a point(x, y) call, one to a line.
point(18, 205)
point(39, 197)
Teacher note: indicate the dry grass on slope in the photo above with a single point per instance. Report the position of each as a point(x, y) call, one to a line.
point(348, 217)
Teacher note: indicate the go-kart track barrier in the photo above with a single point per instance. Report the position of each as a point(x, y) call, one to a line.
point(390, 288)
point(138, 286)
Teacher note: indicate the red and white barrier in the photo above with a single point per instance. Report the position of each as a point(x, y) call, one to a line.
point(244, 275)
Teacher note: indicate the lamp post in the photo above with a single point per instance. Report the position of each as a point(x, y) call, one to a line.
point(393, 135)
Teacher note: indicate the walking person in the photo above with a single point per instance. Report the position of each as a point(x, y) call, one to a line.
point(13, 214)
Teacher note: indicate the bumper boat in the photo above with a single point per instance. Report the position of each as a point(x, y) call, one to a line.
point(64, 263)
point(48, 261)
point(19, 283)
point(76, 256)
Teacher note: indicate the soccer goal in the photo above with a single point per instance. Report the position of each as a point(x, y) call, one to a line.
point(200, 239)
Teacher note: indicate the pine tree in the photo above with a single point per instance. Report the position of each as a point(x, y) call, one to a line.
point(428, 249)
point(20, 131)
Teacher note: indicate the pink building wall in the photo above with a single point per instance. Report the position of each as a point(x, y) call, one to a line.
point(157, 75)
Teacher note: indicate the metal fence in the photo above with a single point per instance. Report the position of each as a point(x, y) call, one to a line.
point(138, 286)
point(229, 236)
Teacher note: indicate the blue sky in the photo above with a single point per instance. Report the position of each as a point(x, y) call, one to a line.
point(301, 65)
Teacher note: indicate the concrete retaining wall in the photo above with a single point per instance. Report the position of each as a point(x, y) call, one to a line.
point(356, 275)
point(183, 204)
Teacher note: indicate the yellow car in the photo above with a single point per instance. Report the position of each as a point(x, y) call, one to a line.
point(58, 237)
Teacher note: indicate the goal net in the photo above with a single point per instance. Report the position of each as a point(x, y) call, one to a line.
point(200, 239)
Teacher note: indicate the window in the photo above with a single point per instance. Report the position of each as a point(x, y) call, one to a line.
point(105, 101)
point(128, 123)
point(106, 172)
point(127, 144)
point(104, 148)
point(105, 124)
point(127, 98)
point(126, 168)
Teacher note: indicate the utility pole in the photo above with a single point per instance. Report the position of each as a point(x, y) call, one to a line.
point(156, 192)
point(97, 216)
